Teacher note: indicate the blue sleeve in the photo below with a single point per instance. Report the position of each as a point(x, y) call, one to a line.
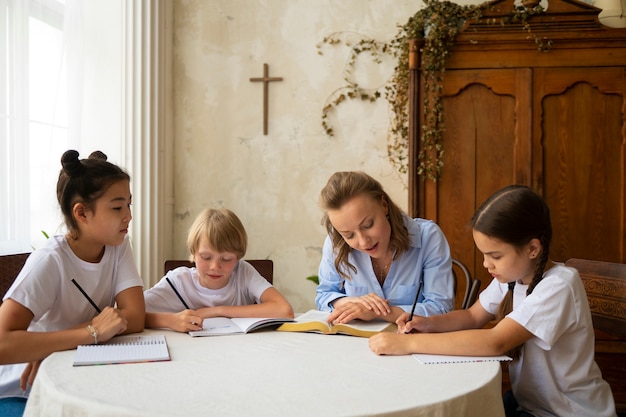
point(331, 285)
point(437, 295)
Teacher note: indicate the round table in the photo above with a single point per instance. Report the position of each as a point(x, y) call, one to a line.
point(266, 373)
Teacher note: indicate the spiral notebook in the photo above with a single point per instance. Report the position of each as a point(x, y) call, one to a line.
point(124, 349)
point(427, 359)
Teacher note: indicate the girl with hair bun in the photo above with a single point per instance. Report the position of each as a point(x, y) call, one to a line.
point(541, 309)
point(80, 288)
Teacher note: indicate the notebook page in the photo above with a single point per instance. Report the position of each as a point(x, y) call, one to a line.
point(434, 359)
point(124, 349)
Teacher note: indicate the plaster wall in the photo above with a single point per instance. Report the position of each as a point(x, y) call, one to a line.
point(272, 182)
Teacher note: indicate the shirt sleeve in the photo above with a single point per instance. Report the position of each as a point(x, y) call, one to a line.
point(552, 298)
point(127, 275)
point(161, 298)
point(331, 286)
point(434, 263)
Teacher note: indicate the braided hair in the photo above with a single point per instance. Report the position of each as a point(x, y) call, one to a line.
point(84, 181)
point(516, 215)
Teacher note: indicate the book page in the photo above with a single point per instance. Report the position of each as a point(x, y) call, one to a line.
point(362, 328)
point(216, 326)
point(124, 349)
point(434, 359)
point(316, 321)
point(254, 323)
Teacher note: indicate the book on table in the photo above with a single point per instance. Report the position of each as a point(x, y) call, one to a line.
point(124, 349)
point(317, 321)
point(219, 326)
point(429, 359)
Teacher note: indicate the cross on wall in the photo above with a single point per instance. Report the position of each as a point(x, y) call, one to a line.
point(266, 79)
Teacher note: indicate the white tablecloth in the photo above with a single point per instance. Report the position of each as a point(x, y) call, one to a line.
point(266, 373)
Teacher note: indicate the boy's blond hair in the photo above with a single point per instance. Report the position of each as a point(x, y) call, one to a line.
point(222, 229)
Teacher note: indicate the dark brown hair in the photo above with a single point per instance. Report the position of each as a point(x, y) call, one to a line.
point(340, 188)
point(516, 215)
point(84, 181)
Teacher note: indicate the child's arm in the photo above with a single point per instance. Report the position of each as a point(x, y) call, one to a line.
point(132, 305)
point(18, 345)
point(474, 317)
point(273, 304)
point(506, 335)
point(184, 321)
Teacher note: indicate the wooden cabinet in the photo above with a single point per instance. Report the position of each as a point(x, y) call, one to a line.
point(553, 120)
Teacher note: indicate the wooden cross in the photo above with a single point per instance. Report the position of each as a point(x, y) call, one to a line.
point(266, 80)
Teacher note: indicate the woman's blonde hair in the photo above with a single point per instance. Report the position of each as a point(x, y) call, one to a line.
point(340, 188)
point(222, 229)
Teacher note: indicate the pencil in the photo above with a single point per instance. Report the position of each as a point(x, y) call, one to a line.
point(417, 295)
point(177, 294)
point(87, 297)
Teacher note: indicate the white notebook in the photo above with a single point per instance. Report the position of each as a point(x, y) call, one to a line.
point(124, 349)
point(433, 359)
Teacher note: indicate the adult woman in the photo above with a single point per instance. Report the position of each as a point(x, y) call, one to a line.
point(376, 258)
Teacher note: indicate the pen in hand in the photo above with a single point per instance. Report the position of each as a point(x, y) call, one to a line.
point(417, 295)
point(87, 297)
point(177, 293)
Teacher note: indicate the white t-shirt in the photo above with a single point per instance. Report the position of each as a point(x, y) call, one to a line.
point(244, 287)
point(44, 286)
point(556, 374)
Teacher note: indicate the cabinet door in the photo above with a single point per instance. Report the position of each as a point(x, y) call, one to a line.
point(579, 161)
point(486, 147)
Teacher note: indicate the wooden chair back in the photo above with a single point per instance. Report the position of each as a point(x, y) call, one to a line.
point(605, 283)
point(265, 267)
point(10, 267)
point(470, 286)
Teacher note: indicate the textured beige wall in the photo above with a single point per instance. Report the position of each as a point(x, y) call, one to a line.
point(222, 158)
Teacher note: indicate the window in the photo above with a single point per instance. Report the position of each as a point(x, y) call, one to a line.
point(33, 120)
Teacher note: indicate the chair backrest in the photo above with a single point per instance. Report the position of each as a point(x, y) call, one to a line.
point(265, 267)
point(470, 287)
point(10, 267)
point(605, 283)
point(473, 294)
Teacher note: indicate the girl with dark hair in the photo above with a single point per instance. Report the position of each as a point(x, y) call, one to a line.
point(80, 288)
point(542, 313)
point(376, 258)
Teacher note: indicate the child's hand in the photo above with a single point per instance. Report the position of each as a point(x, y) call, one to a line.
point(186, 321)
point(109, 323)
point(388, 343)
point(401, 322)
point(417, 324)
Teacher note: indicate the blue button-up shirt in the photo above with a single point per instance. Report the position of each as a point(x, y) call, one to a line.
point(428, 259)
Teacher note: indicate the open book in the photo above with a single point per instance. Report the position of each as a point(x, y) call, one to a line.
point(217, 326)
point(316, 321)
point(428, 359)
point(124, 349)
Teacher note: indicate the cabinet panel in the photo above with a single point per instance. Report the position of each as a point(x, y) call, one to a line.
point(582, 172)
point(481, 151)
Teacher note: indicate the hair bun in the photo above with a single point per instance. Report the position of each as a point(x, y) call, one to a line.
point(98, 155)
point(71, 164)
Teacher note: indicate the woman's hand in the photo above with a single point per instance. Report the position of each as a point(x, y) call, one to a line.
point(375, 303)
point(367, 308)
